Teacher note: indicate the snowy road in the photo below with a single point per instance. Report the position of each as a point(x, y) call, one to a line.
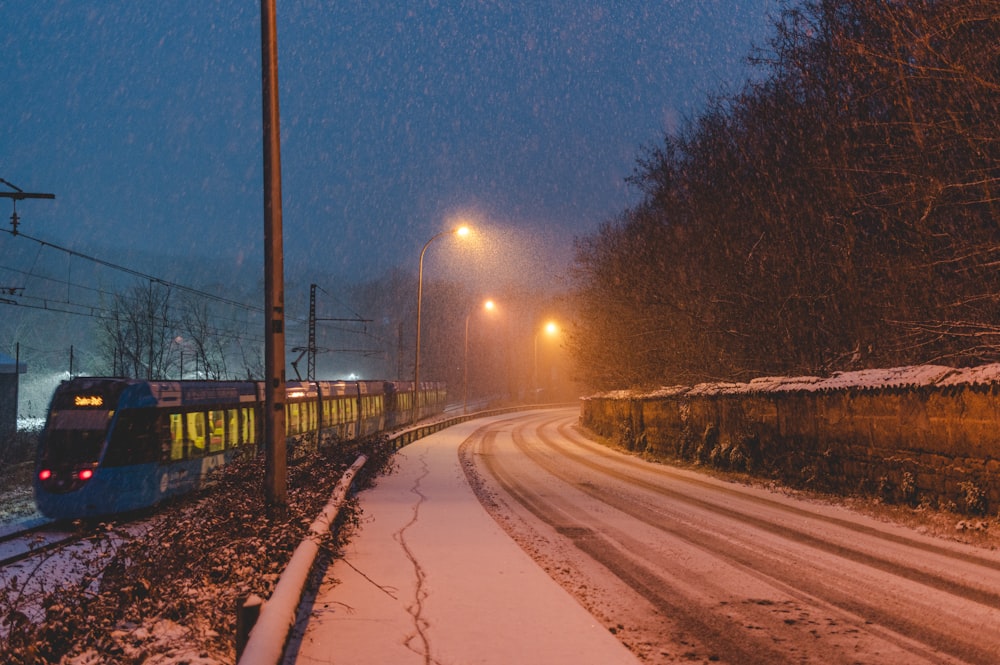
point(687, 568)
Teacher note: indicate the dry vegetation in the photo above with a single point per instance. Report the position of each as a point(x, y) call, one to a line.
point(168, 589)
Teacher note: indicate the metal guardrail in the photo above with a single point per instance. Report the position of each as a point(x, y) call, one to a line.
point(410, 434)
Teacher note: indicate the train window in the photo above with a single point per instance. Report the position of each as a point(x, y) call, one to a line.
point(249, 426)
point(176, 436)
point(311, 410)
point(303, 417)
point(133, 439)
point(232, 428)
point(292, 419)
point(195, 433)
point(75, 436)
point(216, 431)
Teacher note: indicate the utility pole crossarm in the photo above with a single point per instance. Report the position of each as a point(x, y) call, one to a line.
point(19, 195)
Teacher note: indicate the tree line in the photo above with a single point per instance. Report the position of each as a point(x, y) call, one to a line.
point(838, 212)
point(152, 331)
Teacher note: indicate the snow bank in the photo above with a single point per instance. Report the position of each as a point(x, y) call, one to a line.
point(868, 379)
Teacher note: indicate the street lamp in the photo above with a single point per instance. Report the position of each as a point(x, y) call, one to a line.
point(489, 306)
point(550, 329)
point(461, 232)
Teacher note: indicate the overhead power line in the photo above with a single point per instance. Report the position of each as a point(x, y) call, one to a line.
point(137, 273)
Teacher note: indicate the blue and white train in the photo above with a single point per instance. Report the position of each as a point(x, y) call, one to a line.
point(114, 445)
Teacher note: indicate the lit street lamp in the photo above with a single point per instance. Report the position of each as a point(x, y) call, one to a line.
point(489, 306)
point(461, 232)
point(550, 329)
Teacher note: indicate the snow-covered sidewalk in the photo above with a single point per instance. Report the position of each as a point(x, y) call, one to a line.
point(431, 578)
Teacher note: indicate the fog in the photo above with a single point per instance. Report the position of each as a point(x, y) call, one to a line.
point(397, 119)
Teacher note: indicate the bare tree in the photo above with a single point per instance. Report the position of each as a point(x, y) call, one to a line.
point(136, 333)
point(838, 212)
point(208, 343)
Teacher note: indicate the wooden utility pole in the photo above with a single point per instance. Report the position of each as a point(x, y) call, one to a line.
point(276, 471)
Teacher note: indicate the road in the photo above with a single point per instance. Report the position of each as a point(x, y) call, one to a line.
point(684, 567)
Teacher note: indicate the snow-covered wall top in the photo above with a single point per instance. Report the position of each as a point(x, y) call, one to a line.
point(867, 379)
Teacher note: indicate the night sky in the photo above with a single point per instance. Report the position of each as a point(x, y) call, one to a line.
point(143, 118)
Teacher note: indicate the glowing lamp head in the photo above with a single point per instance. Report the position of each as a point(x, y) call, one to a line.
point(551, 328)
point(462, 231)
point(489, 305)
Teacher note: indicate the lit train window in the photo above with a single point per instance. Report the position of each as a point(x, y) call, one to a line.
point(249, 426)
point(311, 411)
point(176, 437)
point(232, 428)
point(216, 431)
point(195, 433)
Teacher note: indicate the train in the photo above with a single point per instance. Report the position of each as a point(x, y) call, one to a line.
point(117, 445)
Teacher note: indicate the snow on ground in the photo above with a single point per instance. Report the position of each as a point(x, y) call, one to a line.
point(868, 379)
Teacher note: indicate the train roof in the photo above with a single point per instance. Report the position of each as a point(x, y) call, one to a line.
point(142, 392)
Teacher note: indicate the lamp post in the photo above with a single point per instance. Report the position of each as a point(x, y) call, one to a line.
point(461, 231)
point(489, 306)
point(550, 329)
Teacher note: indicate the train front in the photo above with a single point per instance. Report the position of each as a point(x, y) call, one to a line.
point(71, 445)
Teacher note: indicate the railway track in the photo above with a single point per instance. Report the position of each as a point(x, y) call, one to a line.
point(35, 540)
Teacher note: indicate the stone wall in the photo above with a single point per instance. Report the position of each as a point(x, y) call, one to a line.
point(933, 444)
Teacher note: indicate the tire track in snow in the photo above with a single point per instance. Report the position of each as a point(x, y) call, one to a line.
point(809, 598)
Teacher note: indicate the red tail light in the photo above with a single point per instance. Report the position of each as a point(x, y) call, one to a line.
point(85, 474)
point(44, 474)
